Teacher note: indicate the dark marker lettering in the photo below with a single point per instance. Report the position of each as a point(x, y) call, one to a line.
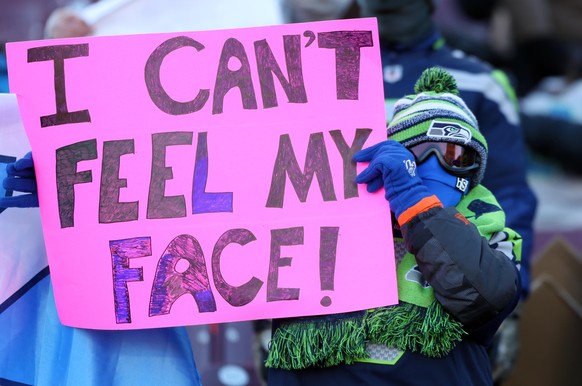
point(110, 209)
point(227, 79)
point(169, 284)
point(280, 237)
point(154, 84)
point(121, 252)
point(203, 202)
point(58, 54)
point(267, 66)
point(347, 46)
point(347, 153)
point(235, 295)
point(159, 205)
point(327, 255)
point(67, 159)
point(316, 162)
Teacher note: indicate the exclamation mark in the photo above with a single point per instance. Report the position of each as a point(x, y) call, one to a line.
point(327, 251)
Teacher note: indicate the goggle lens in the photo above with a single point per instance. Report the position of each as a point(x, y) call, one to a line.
point(453, 157)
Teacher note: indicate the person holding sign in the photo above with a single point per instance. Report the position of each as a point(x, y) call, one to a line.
point(457, 262)
point(49, 353)
point(20, 176)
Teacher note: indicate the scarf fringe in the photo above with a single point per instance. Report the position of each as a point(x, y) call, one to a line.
point(430, 331)
point(298, 344)
point(320, 343)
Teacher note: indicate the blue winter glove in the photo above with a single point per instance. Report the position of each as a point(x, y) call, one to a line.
point(20, 177)
point(394, 167)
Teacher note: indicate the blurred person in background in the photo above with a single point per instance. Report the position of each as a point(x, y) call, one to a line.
point(539, 44)
point(119, 17)
point(25, 20)
point(544, 33)
point(300, 11)
point(552, 119)
point(3, 71)
point(531, 39)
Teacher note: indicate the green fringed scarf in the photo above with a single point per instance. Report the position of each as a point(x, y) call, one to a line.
point(417, 323)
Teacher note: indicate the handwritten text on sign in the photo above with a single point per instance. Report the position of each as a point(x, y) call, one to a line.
point(205, 177)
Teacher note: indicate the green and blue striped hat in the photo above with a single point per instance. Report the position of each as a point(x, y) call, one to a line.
point(437, 114)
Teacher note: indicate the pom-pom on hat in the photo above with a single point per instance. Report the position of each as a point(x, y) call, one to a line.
point(436, 114)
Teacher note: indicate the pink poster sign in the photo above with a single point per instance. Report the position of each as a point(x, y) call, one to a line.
point(207, 177)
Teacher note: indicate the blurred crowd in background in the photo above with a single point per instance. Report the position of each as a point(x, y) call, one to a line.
point(537, 42)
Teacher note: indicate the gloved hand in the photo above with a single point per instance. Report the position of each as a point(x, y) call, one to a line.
point(393, 166)
point(20, 177)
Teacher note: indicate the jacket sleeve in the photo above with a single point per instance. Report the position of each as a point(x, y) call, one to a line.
point(476, 280)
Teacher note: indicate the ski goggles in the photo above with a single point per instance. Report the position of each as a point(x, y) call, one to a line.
point(456, 159)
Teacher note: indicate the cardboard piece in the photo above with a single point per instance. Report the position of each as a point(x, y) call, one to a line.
point(551, 321)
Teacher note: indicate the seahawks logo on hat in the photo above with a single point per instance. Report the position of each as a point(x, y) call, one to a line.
point(447, 130)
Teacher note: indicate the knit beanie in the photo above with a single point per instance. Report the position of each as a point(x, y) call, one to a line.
point(437, 114)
